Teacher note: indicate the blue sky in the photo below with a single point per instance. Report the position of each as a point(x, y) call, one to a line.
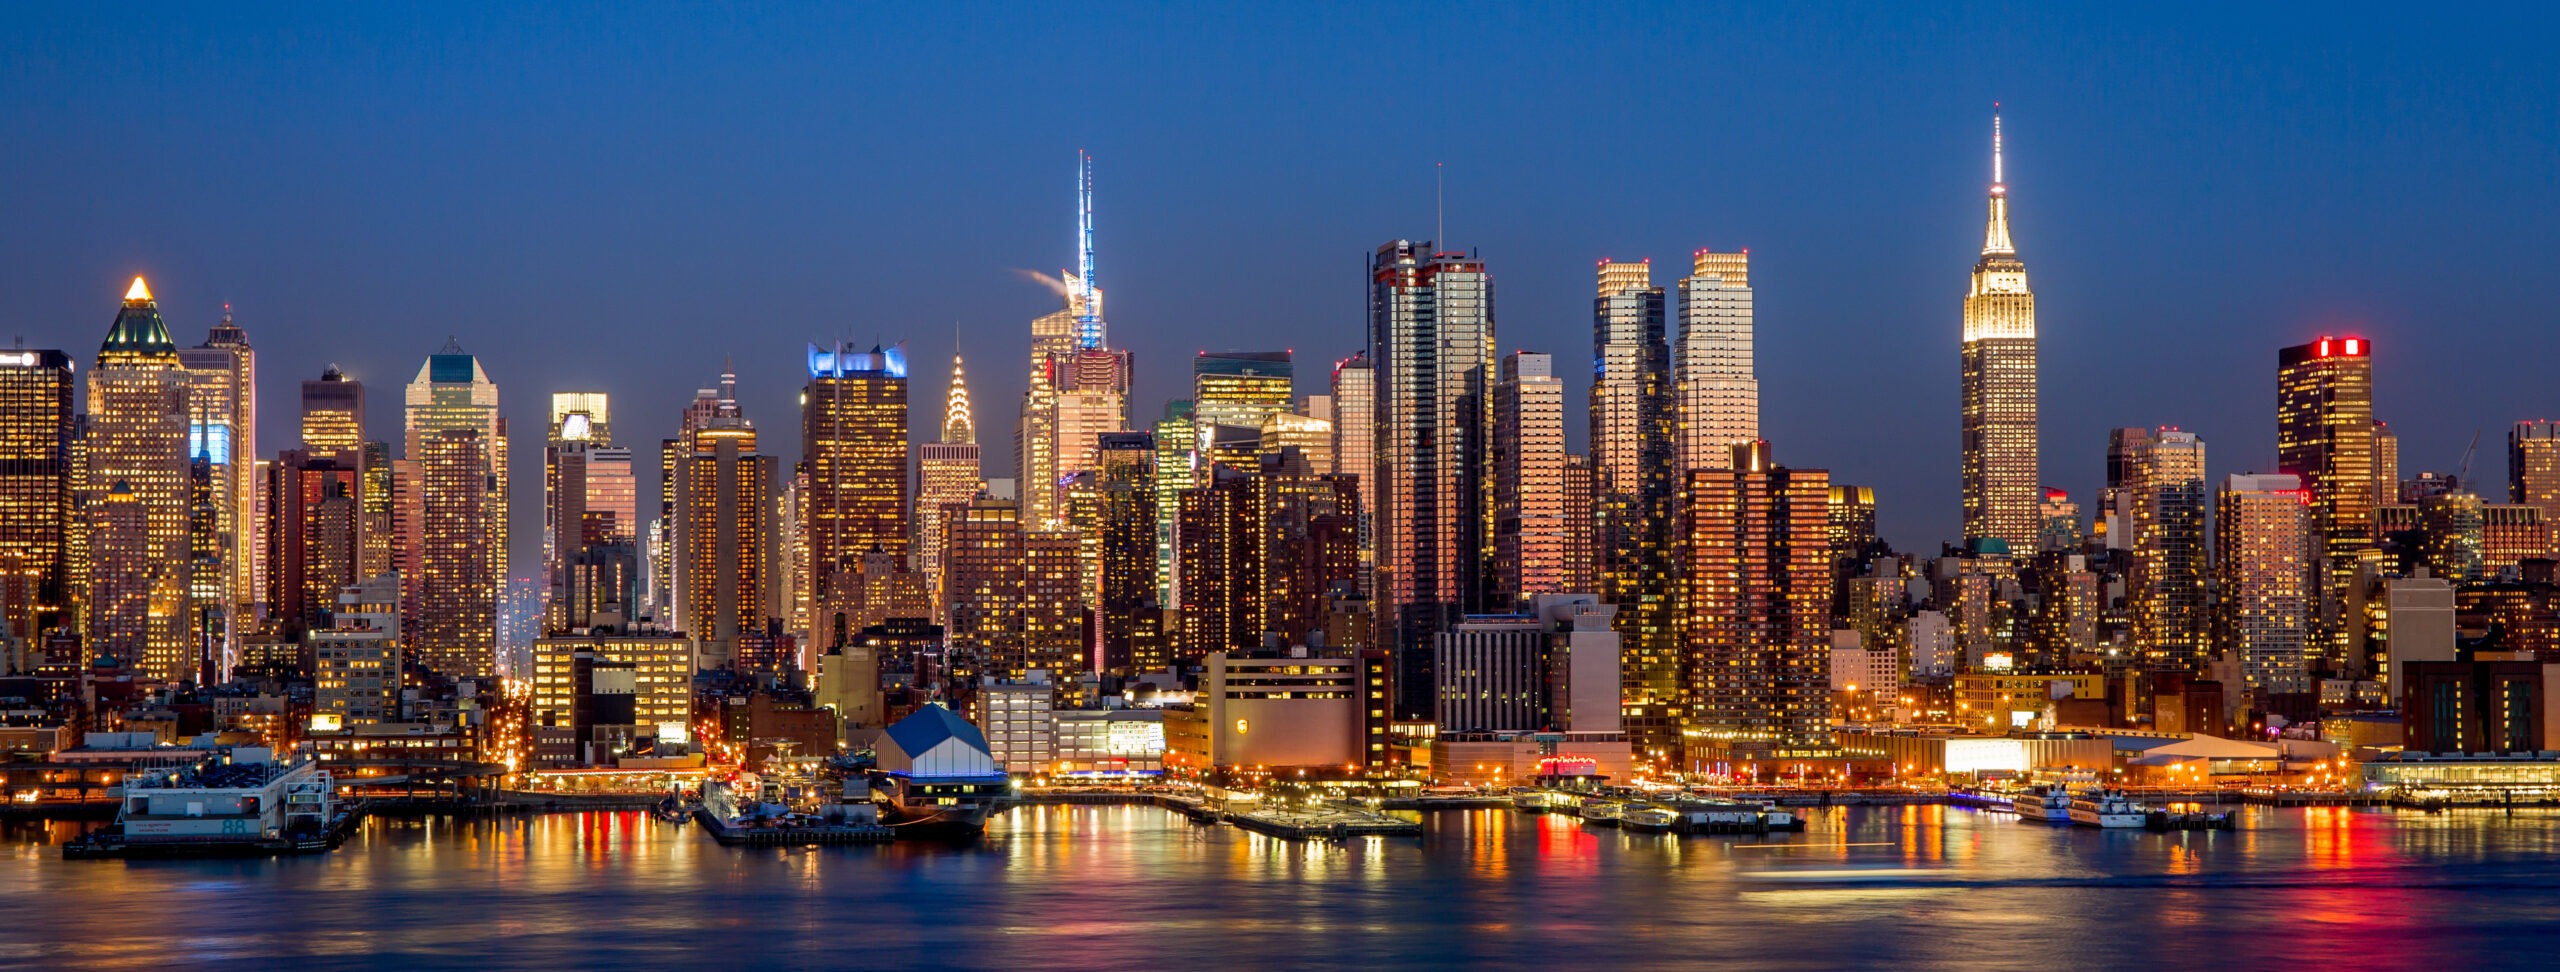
point(616, 196)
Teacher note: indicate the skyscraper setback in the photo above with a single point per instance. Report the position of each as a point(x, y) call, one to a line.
point(1431, 338)
point(2002, 484)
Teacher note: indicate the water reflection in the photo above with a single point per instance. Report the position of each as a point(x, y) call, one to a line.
point(1112, 886)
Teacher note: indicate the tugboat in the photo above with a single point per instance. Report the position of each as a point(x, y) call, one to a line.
point(936, 778)
point(2108, 809)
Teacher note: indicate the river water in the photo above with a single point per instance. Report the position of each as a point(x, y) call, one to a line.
point(1137, 887)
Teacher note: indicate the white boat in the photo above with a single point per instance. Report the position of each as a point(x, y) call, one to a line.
point(1601, 811)
point(2051, 804)
point(1530, 801)
point(2108, 810)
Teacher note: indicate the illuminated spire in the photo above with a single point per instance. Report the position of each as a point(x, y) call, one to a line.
point(1089, 320)
point(957, 425)
point(1995, 237)
point(139, 291)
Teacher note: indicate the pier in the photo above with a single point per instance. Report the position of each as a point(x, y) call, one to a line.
point(833, 834)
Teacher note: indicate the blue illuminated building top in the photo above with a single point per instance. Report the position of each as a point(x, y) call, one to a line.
point(836, 362)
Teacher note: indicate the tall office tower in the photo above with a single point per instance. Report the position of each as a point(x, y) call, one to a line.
point(1238, 390)
point(2262, 563)
point(2125, 448)
point(2533, 469)
point(1355, 446)
point(1581, 509)
point(314, 536)
point(137, 441)
point(590, 516)
point(222, 429)
point(1311, 436)
point(1528, 473)
point(122, 579)
point(1177, 460)
point(1079, 385)
point(1013, 593)
point(1718, 396)
point(2061, 516)
point(1260, 553)
point(36, 428)
point(1431, 340)
point(726, 553)
point(2325, 433)
point(1635, 456)
point(853, 445)
point(660, 598)
point(1214, 562)
point(982, 567)
point(1853, 527)
point(1126, 598)
point(2002, 481)
point(457, 443)
point(1756, 600)
point(2165, 583)
point(2386, 464)
point(333, 417)
point(333, 411)
point(947, 472)
point(451, 609)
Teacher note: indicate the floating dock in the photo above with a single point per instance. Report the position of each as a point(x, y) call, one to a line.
point(1324, 823)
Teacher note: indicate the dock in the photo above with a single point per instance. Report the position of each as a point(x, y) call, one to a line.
point(1329, 822)
point(836, 834)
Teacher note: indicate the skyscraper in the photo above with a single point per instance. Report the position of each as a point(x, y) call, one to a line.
point(1238, 391)
point(222, 430)
point(1079, 385)
point(1431, 339)
point(2165, 583)
point(139, 551)
point(1528, 472)
point(2262, 565)
point(947, 473)
point(1635, 455)
point(726, 554)
point(1177, 462)
point(853, 445)
point(1125, 602)
point(333, 416)
point(2533, 469)
point(1355, 445)
point(1719, 389)
point(36, 428)
point(2325, 434)
point(2001, 478)
point(455, 529)
point(590, 518)
point(1755, 612)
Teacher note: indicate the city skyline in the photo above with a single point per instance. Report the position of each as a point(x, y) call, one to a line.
point(1855, 262)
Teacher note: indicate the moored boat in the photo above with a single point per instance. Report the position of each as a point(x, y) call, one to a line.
point(2108, 809)
point(2050, 804)
point(1601, 811)
point(1645, 818)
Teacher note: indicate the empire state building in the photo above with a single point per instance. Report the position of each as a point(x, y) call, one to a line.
point(2001, 491)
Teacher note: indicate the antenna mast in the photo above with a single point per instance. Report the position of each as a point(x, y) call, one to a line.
point(1089, 318)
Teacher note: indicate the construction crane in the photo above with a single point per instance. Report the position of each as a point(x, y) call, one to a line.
point(2462, 476)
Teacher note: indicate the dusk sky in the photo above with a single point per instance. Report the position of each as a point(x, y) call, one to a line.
point(616, 197)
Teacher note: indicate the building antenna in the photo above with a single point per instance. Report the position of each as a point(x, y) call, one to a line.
point(1440, 204)
point(1089, 321)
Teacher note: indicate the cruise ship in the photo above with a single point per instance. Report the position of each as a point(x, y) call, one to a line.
point(935, 777)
